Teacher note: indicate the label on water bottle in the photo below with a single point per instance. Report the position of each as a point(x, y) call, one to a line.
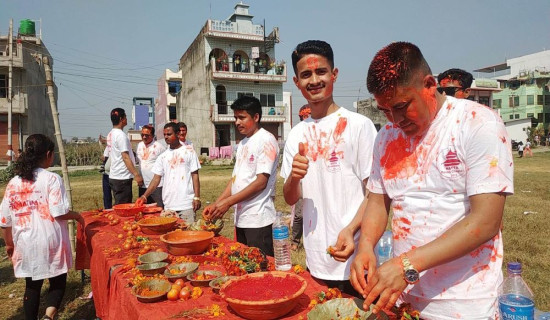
point(514, 307)
point(280, 233)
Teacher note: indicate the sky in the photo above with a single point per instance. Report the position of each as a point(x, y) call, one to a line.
point(106, 52)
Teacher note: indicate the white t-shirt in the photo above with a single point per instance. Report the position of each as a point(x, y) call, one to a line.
point(118, 142)
point(147, 156)
point(466, 151)
point(339, 149)
point(255, 155)
point(42, 247)
point(176, 166)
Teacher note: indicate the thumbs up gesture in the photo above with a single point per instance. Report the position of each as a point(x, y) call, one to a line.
point(300, 163)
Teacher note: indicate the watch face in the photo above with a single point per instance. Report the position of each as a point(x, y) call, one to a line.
point(411, 276)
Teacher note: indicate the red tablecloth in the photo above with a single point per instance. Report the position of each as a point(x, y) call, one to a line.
point(112, 295)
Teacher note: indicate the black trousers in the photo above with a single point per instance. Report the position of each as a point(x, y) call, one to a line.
point(257, 237)
point(122, 190)
point(31, 301)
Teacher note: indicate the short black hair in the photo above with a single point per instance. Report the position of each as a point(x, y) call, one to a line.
point(249, 104)
point(150, 128)
point(182, 125)
point(172, 125)
point(117, 114)
point(463, 77)
point(312, 47)
point(395, 65)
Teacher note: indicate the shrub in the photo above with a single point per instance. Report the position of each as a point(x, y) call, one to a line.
point(7, 174)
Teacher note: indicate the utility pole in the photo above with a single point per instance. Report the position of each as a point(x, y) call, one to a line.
point(10, 89)
point(59, 139)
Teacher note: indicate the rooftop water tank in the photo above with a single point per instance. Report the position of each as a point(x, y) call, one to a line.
point(26, 28)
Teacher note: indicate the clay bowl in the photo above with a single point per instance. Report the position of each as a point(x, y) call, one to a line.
point(216, 284)
point(150, 269)
point(210, 274)
point(263, 309)
point(158, 287)
point(127, 209)
point(189, 268)
point(157, 225)
point(152, 257)
point(181, 243)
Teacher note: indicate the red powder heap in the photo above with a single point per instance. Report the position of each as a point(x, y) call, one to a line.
point(263, 288)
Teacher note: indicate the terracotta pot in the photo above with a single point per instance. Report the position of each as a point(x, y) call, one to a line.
point(127, 209)
point(181, 243)
point(158, 225)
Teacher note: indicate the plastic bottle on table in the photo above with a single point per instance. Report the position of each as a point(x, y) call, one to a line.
point(515, 298)
point(281, 244)
point(384, 248)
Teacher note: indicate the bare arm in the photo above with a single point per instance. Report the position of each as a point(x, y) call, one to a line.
point(221, 206)
point(479, 226)
point(8, 239)
point(197, 190)
point(128, 162)
point(72, 215)
point(152, 187)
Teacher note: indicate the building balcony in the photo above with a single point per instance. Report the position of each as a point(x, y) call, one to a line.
point(223, 113)
point(222, 70)
point(231, 30)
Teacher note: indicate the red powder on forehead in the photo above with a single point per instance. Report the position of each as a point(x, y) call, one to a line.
point(399, 159)
point(312, 63)
point(387, 71)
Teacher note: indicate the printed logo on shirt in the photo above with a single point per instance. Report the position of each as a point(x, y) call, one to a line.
point(251, 160)
point(333, 162)
point(449, 165)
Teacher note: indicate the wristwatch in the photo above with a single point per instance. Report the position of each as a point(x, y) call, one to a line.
point(410, 274)
point(196, 199)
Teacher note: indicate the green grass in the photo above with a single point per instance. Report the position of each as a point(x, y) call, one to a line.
point(526, 237)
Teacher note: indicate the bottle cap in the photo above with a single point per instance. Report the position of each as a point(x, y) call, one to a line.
point(514, 267)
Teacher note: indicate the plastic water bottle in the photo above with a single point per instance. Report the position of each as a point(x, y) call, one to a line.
point(515, 299)
point(384, 248)
point(281, 244)
point(541, 315)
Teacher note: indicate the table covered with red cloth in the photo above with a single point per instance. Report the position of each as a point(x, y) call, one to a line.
point(110, 282)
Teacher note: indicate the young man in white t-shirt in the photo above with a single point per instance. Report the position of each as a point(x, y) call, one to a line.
point(123, 164)
point(147, 151)
point(327, 161)
point(445, 167)
point(253, 179)
point(182, 135)
point(179, 168)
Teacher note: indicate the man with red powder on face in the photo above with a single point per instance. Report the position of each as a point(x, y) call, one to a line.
point(455, 83)
point(327, 160)
point(445, 167)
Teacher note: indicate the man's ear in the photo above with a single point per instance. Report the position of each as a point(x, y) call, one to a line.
point(334, 74)
point(256, 117)
point(466, 93)
point(295, 79)
point(429, 81)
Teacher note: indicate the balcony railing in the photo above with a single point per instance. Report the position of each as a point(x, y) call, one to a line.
point(223, 113)
point(230, 29)
point(247, 71)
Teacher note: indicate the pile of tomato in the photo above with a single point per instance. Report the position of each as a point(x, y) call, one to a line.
point(180, 291)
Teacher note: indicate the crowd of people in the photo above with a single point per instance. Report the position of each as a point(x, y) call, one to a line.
point(442, 164)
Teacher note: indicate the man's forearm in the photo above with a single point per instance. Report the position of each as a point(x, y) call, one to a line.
point(250, 191)
point(196, 184)
point(291, 190)
point(129, 165)
point(152, 186)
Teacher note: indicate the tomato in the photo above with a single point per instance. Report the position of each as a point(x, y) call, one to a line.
point(180, 282)
point(127, 246)
point(173, 295)
point(185, 293)
point(120, 236)
point(130, 233)
point(159, 250)
point(134, 227)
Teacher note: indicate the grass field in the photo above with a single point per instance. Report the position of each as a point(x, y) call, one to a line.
point(526, 236)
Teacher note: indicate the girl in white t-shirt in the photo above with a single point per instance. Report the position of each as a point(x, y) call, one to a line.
point(33, 217)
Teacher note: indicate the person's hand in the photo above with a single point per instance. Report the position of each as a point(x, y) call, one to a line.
point(207, 212)
point(364, 260)
point(216, 210)
point(344, 245)
point(141, 201)
point(196, 205)
point(139, 180)
point(300, 163)
point(387, 282)
point(9, 250)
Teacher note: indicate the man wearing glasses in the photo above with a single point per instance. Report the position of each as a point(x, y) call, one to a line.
point(455, 83)
point(147, 152)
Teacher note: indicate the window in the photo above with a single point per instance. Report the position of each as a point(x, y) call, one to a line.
point(484, 101)
point(172, 112)
point(174, 87)
point(547, 99)
point(530, 100)
point(517, 116)
point(497, 103)
point(539, 100)
point(539, 117)
point(3, 86)
point(267, 100)
point(511, 117)
point(240, 94)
